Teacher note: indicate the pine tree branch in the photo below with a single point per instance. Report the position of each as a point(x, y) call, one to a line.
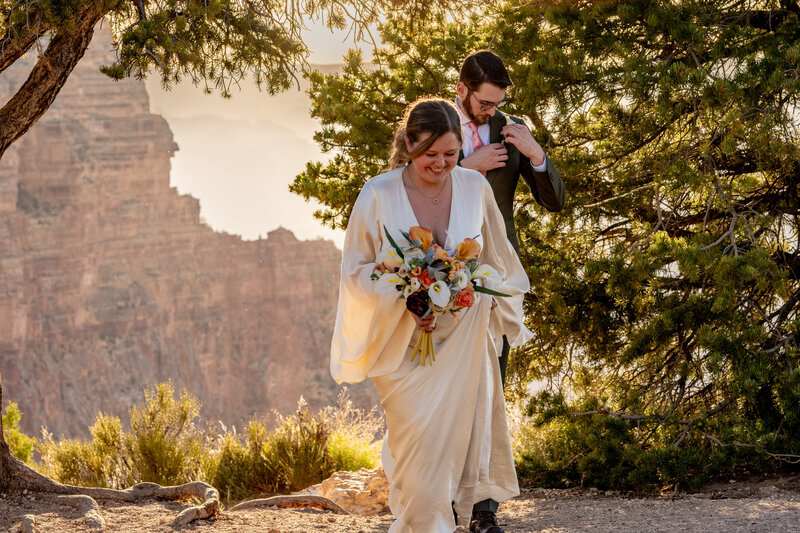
point(766, 20)
point(785, 457)
point(656, 417)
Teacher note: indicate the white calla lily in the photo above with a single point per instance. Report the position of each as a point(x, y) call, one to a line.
point(487, 273)
point(439, 294)
point(389, 258)
point(387, 283)
point(415, 284)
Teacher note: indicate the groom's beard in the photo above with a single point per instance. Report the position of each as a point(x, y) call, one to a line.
point(479, 117)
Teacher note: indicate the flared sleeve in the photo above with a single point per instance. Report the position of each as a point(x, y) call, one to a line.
point(507, 318)
point(372, 330)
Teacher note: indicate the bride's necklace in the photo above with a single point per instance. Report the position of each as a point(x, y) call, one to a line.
point(434, 198)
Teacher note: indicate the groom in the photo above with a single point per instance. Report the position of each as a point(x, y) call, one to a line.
point(481, 90)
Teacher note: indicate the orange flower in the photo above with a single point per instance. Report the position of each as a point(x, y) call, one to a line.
point(465, 298)
point(439, 253)
point(426, 279)
point(423, 235)
point(469, 249)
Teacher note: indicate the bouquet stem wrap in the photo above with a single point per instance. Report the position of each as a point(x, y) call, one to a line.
point(424, 347)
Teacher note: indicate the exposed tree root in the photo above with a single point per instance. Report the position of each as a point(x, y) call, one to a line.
point(24, 477)
point(295, 501)
point(28, 522)
point(85, 505)
point(16, 475)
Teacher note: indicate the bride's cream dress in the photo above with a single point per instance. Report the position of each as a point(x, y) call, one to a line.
point(447, 438)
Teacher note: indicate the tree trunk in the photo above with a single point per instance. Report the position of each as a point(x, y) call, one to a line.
point(14, 474)
point(5, 451)
point(47, 77)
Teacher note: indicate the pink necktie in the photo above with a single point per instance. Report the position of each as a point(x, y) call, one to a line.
point(476, 139)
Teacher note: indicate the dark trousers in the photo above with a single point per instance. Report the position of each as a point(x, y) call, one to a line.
point(491, 505)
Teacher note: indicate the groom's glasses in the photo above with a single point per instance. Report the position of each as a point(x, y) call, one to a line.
point(484, 105)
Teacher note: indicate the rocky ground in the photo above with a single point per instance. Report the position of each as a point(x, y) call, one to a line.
point(771, 505)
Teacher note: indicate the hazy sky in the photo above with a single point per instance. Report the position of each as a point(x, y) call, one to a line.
point(238, 156)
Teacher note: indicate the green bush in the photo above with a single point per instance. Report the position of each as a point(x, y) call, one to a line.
point(163, 446)
point(75, 463)
point(20, 444)
point(296, 453)
point(234, 475)
point(558, 447)
point(349, 452)
point(166, 446)
point(354, 441)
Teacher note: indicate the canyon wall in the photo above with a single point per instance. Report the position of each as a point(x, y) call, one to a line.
point(111, 282)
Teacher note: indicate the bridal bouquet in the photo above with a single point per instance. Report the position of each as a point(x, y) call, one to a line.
point(432, 279)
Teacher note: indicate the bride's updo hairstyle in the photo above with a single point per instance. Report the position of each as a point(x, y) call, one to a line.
point(431, 115)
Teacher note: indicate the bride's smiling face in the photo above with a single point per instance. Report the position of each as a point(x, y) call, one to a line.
point(434, 164)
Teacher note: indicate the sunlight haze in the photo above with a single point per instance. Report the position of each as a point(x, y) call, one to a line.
point(238, 156)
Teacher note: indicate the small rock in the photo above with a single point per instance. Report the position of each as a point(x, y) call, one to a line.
point(365, 492)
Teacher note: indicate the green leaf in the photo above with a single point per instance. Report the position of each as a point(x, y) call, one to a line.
point(394, 244)
point(484, 290)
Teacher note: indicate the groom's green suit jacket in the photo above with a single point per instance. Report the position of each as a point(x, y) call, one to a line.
point(547, 187)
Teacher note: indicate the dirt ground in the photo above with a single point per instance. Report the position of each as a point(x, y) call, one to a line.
point(771, 505)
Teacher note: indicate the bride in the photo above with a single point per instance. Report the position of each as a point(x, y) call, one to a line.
point(447, 444)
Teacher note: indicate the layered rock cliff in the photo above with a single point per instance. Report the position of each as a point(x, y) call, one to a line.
point(110, 281)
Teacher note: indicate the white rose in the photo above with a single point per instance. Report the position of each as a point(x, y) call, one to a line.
point(461, 279)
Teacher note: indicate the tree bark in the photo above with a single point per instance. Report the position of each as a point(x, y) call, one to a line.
point(47, 77)
point(5, 451)
point(11, 51)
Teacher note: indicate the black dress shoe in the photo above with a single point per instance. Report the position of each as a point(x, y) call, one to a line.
point(484, 522)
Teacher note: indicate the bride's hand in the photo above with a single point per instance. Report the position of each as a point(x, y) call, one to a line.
point(425, 324)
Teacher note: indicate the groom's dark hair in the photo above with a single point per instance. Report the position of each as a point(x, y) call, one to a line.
point(484, 66)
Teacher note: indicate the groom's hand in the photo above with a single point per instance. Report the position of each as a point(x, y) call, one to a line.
point(486, 158)
point(520, 136)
